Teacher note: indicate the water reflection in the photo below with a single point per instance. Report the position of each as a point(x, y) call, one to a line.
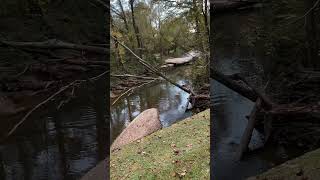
point(233, 55)
point(167, 98)
point(60, 144)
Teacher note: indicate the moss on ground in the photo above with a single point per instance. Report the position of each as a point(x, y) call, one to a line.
point(179, 151)
point(305, 167)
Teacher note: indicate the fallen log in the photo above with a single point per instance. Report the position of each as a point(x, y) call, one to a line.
point(56, 44)
point(225, 80)
point(246, 137)
point(190, 56)
point(248, 91)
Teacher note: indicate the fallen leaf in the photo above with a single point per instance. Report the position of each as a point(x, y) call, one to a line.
point(176, 151)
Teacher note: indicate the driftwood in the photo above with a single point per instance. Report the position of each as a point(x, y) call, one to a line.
point(55, 44)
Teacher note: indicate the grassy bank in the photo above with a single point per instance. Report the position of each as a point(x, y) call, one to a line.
point(305, 167)
point(179, 151)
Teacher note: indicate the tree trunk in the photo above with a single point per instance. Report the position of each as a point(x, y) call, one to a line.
point(123, 16)
point(205, 15)
point(135, 27)
point(195, 13)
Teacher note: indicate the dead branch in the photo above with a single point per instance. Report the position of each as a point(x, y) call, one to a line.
point(246, 137)
point(15, 127)
point(102, 63)
point(55, 44)
point(131, 89)
point(225, 80)
point(151, 68)
point(130, 75)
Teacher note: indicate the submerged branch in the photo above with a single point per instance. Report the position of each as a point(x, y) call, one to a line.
point(55, 44)
point(15, 127)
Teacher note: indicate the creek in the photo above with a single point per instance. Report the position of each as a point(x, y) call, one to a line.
point(229, 110)
point(170, 100)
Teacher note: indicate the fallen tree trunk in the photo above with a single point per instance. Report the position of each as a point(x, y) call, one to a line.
point(249, 92)
point(55, 44)
point(191, 55)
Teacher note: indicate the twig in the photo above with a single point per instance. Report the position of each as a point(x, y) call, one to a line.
point(131, 89)
point(24, 71)
point(37, 107)
point(301, 17)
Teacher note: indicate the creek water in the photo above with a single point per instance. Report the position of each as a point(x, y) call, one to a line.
point(59, 144)
point(228, 113)
point(66, 143)
point(170, 100)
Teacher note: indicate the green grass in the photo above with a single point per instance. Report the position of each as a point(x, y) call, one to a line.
point(179, 151)
point(305, 167)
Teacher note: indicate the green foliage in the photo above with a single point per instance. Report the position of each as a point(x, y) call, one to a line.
point(165, 29)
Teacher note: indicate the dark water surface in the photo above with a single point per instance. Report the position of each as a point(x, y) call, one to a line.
point(167, 98)
point(66, 143)
point(59, 144)
point(233, 55)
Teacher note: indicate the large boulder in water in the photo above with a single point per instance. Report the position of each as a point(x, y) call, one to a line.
point(144, 124)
